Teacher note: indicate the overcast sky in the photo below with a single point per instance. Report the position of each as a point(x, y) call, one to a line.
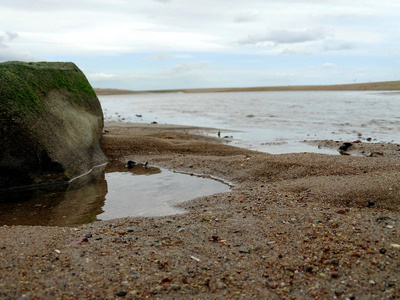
point(168, 44)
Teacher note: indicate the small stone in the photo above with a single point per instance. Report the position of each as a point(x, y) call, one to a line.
point(244, 251)
point(79, 241)
point(121, 294)
point(382, 251)
point(221, 285)
point(345, 146)
point(335, 262)
point(322, 275)
point(175, 287)
point(157, 289)
point(338, 293)
point(273, 285)
point(334, 274)
point(395, 245)
point(371, 203)
point(89, 235)
point(308, 269)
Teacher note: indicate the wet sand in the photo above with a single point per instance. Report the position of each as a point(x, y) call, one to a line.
point(294, 226)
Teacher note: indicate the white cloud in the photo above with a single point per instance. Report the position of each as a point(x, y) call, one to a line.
point(328, 66)
point(152, 36)
point(100, 76)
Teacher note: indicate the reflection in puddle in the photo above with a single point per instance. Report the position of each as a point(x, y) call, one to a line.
point(108, 192)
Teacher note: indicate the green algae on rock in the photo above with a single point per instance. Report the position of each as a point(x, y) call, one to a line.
point(50, 123)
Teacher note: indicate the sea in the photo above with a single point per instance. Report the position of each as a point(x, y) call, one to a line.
point(273, 122)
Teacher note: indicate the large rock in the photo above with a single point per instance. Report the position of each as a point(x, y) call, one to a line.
point(50, 124)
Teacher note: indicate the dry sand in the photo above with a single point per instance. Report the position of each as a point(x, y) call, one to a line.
point(294, 226)
point(371, 86)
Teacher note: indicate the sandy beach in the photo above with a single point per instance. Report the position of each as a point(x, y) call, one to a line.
point(294, 226)
point(371, 86)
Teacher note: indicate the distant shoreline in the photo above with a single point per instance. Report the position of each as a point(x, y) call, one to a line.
point(372, 86)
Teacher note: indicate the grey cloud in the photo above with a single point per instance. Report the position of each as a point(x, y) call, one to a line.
point(11, 35)
point(335, 46)
point(245, 18)
point(7, 54)
point(159, 57)
point(8, 37)
point(185, 67)
point(285, 37)
point(2, 42)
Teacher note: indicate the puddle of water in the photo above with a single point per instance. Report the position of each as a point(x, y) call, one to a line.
point(108, 192)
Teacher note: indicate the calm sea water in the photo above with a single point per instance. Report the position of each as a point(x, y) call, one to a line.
point(275, 122)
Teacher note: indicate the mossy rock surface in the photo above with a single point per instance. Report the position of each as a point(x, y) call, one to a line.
point(50, 123)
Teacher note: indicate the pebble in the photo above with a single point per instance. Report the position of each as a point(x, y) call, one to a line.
point(273, 285)
point(221, 285)
point(121, 294)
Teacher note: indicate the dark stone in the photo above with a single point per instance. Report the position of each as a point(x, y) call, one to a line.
point(335, 262)
point(130, 164)
point(382, 251)
point(121, 294)
point(50, 124)
point(345, 146)
point(309, 269)
point(371, 203)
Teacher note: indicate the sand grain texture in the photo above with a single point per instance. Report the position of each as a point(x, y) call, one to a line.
point(294, 226)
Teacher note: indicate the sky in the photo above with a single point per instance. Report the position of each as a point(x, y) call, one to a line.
point(177, 44)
